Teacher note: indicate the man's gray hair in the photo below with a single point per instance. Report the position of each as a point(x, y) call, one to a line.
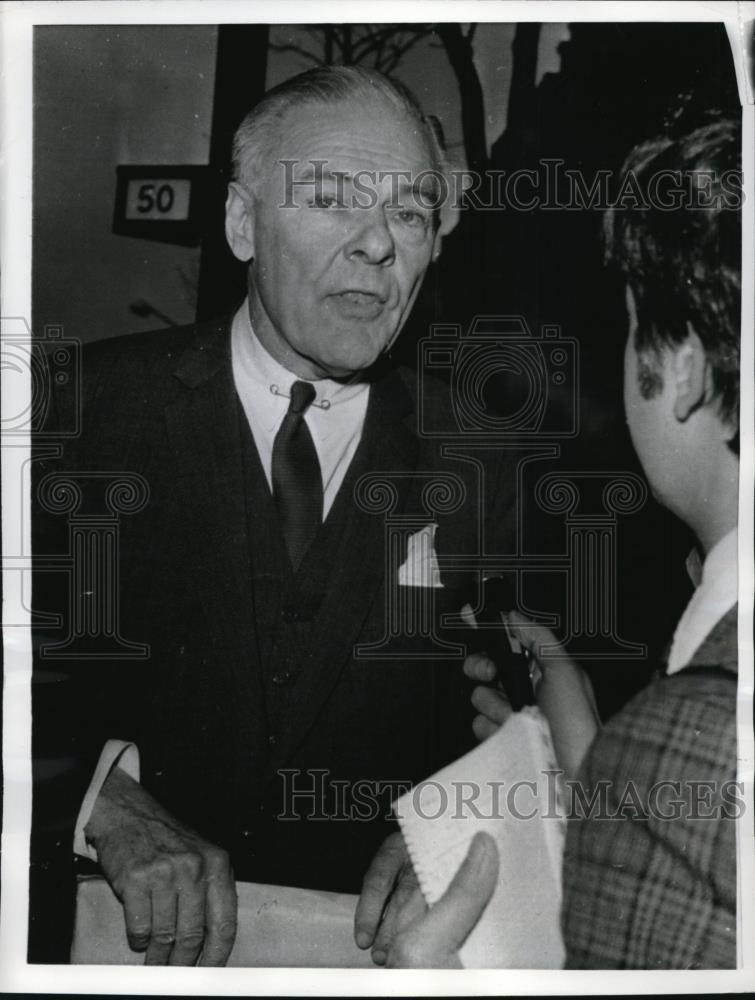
point(257, 136)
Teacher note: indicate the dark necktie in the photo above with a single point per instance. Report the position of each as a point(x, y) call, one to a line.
point(297, 481)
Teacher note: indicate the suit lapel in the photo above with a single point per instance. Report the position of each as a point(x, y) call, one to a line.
point(203, 429)
point(356, 553)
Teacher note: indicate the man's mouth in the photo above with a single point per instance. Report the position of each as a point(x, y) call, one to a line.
point(361, 296)
point(358, 303)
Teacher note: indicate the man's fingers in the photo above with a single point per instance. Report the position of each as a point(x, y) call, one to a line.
point(535, 638)
point(376, 888)
point(483, 728)
point(493, 704)
point(452, 919)
point(406, 903)
point(177, 890)
point(190, 928)
point(164, 908)
point(479, 667)
point(413, 909)
point(221, 913)
point(137, 911)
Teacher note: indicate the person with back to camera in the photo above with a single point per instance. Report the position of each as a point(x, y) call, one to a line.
point(656, 886)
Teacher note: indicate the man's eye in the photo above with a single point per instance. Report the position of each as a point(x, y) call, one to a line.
point(411, 217)
point(327, 201)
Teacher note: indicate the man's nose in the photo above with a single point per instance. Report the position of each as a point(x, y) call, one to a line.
point(372, 241)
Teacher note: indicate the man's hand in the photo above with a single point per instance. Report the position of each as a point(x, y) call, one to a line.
point(488, 698)
point(431, 939)
point(390, 898)
point(491, 702)
point(410, 935)
point(177, 890)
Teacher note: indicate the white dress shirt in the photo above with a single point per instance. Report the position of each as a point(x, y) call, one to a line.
point(716, 594)
point(335, 420)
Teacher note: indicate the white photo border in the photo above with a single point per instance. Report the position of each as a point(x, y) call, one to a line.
point(17, 21)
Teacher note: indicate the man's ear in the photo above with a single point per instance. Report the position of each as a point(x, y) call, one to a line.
point(239, 222)
point(691, 374)
point(437, 245)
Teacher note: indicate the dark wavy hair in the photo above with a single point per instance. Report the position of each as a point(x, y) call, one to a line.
point(683, 263)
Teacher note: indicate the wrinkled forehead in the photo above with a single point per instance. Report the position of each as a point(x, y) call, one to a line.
point(369, 133)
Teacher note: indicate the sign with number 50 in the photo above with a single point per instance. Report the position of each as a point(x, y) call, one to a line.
point(159, 199)
point(160, 203)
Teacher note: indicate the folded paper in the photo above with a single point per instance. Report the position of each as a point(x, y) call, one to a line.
point(278, 926)
point(507, 787)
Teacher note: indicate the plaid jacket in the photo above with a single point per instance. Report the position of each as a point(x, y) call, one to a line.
point(641, 890)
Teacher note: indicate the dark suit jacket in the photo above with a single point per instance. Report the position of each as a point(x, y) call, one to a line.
point(251, 690)
point(644, 891)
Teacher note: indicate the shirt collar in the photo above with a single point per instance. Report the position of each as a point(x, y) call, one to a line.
point(717, 568)
point(265, 372)
point(716, 594)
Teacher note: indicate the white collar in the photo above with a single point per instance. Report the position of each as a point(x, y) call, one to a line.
point(259, 368)
point(716, 595)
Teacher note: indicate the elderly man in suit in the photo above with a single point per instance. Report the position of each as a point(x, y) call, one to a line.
point(653, 885)
point(255, 574)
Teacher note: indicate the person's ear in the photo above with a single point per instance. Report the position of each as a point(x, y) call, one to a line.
point(239, 222)
point(691, 375)
point(437, 245)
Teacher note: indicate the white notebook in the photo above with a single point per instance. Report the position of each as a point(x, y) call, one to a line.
point(509, 786)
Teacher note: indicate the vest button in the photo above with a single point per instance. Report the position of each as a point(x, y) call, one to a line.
point(281, 678)
point(272, 740)
point(290, 615)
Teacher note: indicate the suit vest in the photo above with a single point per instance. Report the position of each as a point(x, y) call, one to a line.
point(287, 604)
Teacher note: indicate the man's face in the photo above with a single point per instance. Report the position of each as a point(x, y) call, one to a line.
point(334, 276)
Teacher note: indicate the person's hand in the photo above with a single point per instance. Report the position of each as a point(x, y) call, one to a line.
point(488, 697)
point(432, 939)
point(177, 890)
point(492, 705)
point(390, 899)
point(564, 695)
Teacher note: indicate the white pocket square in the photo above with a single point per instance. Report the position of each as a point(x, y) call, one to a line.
point(420, 568)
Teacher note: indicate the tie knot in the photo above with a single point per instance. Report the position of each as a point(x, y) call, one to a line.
point(302, 394)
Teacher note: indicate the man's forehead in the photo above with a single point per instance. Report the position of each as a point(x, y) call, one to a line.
point(355, 133)
point(331, 172)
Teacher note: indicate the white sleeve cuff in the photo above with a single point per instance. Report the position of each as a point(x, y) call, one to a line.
point(126, 756)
